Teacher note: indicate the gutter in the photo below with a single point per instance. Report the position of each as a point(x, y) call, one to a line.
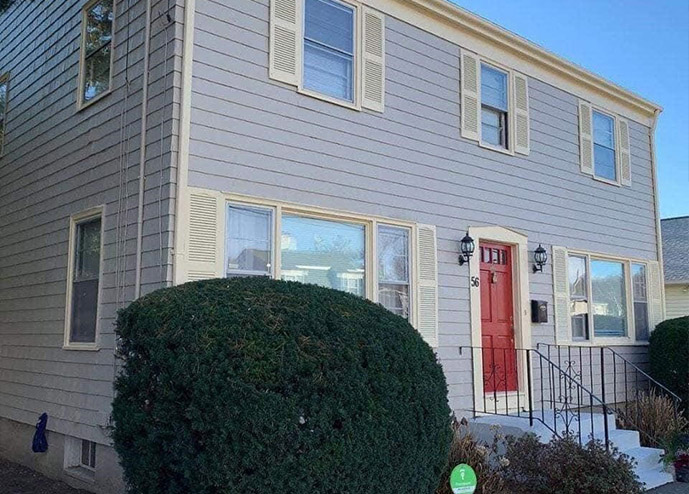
point(654, 178)
point(142, 153)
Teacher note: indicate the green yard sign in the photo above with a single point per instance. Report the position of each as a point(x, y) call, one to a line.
point(463, 479)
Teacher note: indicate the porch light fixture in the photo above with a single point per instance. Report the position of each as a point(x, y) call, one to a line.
point(466, 249)
point(540, 257)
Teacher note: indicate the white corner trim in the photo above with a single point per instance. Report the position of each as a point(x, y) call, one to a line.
point(182, 198)
point(520, 291)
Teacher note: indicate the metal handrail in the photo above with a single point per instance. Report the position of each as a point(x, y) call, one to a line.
point(575, 399)
point(622, 411)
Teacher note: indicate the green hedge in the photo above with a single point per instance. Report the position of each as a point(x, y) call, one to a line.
point(260, 386)
point(669, 356)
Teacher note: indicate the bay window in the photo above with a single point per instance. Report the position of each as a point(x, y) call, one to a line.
point(609, 298)
point(641, 319)
point(248, 243)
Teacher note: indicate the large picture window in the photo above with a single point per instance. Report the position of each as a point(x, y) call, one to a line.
point(609, 298)
point(96, 50)
point(84, 282)
point(324, 252)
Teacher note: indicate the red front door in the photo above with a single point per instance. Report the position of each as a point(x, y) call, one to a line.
point(497, 318)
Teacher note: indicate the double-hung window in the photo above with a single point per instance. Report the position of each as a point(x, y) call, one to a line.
point(640, 299)
point(394, 290)
point(604, 160)
point(494, 107)
point(329, 47)
point(96, 50)
point(579, 298)
point(84, 279)
point(4, 95)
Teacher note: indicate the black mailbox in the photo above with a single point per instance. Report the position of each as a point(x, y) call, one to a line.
point(539, 311)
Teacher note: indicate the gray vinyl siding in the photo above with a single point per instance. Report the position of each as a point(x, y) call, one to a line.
point(59, 161)
point(676, 301)
point(251, 135)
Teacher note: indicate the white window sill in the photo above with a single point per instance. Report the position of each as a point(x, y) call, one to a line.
point(330, 99)
point(606, 342)
point(82, 105)
point(606, 181)
point(81, 473)
point(496, 148)
point(84, 347)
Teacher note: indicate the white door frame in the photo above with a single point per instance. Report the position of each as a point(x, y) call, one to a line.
point(520, 293)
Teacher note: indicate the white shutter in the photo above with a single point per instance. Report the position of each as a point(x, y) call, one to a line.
point(427, 284)
point(655, 295)
point(522, 130)
point(586, 137)
point(373, 60)
point(285, 40)
point(563, 332)
point(624, 152)
point(204, 259)
point(471, 85)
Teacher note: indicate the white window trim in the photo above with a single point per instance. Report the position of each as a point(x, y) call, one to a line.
point(4, 79)
point(74, 220)
point(357, 89)
point(618, 181)
point(370, 224)
point(511, 114)
point(72, 465)
point(630, 338)
point(81, 104)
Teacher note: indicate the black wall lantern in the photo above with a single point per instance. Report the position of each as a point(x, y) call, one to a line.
point(466, 249)
point(540, 257)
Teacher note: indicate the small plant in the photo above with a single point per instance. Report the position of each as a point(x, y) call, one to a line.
point(563, 466)
point(677, 454)
point(654, 416)
point(482, 457)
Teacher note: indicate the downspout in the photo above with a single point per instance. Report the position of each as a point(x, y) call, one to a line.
point(142, 153)
point(659, 239)
point(181, 206)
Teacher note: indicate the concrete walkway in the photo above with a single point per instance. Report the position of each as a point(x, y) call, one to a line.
point(674, 488)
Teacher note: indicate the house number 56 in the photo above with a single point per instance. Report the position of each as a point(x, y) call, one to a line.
point(475, 281)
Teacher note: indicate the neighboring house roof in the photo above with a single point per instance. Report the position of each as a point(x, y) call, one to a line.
point(675, 233)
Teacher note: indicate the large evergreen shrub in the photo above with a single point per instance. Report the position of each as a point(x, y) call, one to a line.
point(669, 356)
point(260, 386)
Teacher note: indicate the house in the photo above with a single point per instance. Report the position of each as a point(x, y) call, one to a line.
point(354, 143)
point(676, 265)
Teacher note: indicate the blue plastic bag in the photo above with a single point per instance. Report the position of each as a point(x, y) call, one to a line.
point(40, 441)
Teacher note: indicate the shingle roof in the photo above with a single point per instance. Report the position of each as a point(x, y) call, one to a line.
point(676, 249)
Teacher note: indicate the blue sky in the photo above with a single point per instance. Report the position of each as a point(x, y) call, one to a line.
point(642, 45)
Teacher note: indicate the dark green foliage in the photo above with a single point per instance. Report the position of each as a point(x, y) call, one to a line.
point(255, 386)
point(562, 466)
point(669, 356)
point(5, 5)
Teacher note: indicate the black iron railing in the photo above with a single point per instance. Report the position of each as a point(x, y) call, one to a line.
point(617, 381)
point(526, 383)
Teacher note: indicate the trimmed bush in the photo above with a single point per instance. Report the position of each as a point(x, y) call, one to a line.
point(562, 466)
point(669, 356)
point(252, 385)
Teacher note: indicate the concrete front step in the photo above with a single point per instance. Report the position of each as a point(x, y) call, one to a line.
point(648, 460)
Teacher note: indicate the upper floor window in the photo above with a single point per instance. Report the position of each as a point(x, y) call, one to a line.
point(604, 162)
point(332, 50)
point(4, 96)
point(95, 77)
point(604, 147)
point(494, 107)
point(329, 28)
point(84, 279)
